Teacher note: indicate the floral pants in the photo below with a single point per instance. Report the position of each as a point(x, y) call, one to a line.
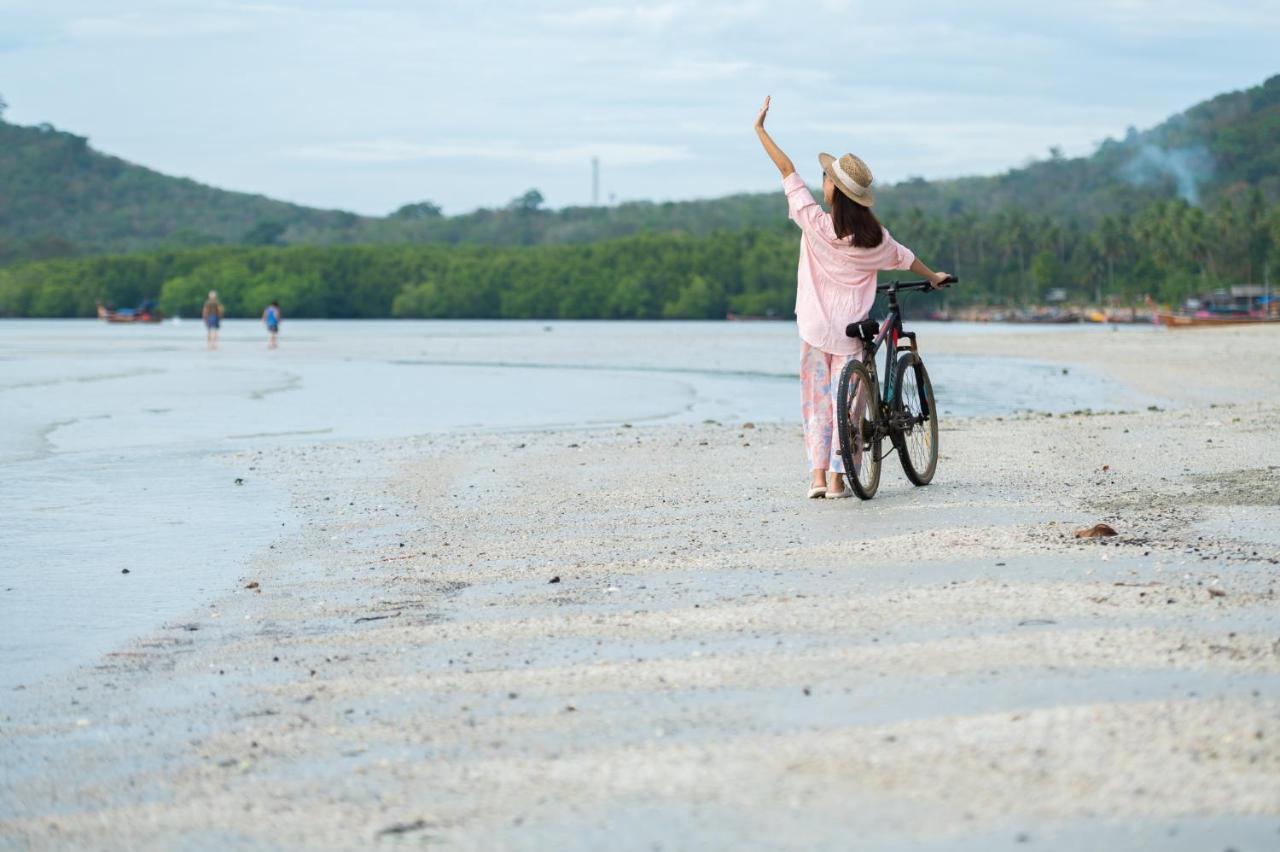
point(819, 382)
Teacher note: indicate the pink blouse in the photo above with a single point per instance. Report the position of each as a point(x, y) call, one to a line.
point(835, 282)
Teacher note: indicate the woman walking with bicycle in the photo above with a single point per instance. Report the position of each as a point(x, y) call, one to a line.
point(840, 254)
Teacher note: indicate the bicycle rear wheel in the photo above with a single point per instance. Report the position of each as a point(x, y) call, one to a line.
point(857, 409)
point(913, 420)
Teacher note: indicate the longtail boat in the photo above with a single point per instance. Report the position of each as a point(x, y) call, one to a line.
point(146, 312)
point(1171, 320)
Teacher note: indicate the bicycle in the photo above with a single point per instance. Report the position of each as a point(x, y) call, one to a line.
point(906, 414)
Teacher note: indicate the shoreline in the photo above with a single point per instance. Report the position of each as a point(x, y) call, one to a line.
point(741, 664)
point(49, 609)
point(90, 518)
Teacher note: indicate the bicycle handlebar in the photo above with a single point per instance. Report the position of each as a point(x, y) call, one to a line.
point(916, 285)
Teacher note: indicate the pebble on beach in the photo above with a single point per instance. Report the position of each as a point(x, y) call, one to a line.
point(1096, 531)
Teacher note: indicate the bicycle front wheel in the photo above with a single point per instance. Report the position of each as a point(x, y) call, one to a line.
point(857, 409)
point(913, 420)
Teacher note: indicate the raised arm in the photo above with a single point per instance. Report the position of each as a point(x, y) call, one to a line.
point(781, 160)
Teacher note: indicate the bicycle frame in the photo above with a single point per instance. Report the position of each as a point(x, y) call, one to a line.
point(890, 416)
point(889, 335)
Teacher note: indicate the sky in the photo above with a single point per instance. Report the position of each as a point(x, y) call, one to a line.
point(366, 106)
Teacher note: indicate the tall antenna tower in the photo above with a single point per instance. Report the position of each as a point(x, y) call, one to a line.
point(595, 181)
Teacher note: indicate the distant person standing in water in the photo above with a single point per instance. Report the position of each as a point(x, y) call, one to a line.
point(211, 313)
point(271, 319)
point(840, 254)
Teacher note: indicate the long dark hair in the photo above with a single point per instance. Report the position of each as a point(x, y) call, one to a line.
point(851, 219)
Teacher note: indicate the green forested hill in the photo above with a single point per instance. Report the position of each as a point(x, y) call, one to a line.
point(60, 197)
point(1168, 250)
point(57, 191)
point(1183, 208)
point(1215, 150)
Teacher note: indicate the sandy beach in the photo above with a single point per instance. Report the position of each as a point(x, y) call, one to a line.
point(643, 636)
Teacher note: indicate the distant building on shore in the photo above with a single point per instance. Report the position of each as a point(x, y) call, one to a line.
point(1236, 299)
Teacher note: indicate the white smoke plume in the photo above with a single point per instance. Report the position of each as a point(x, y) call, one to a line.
point(1188, 168)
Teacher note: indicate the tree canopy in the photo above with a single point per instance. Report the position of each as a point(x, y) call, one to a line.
point(1169, 249)
point(1185, 207)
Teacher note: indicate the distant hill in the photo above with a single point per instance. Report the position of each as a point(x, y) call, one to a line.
point(54, 186)
point(1214, 149)
point(60, 197)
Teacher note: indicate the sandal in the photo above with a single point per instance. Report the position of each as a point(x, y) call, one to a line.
point(817, 491)
point(844, 491)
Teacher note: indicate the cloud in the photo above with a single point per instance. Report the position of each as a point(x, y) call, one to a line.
point(684, 17)
point(156, 26)
point(898, 149)
point(1161, 15)
point(346, 102)
point(613, 17)
point(616, 154)
point(707, 71)
point(381, 151)
point(10, 43)
point(702, 70)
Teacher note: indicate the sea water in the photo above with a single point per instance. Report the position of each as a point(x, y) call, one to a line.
point(110, 435)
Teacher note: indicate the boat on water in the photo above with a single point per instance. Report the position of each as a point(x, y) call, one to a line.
point(1243, 304)
point(1172, 320)
point(147, 311)
point(1053, 317)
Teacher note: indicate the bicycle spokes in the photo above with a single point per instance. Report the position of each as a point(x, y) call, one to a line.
point(858, 404)
point(914, 421)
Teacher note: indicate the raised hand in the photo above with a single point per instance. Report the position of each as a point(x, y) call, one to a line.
point(781, 160)
point(764, 111)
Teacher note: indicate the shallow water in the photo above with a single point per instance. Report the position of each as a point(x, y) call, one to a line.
point(82, 385)
point(112, 435)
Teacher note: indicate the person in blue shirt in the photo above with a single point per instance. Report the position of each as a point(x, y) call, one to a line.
point(271, 319)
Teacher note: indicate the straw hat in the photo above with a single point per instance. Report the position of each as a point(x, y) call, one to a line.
point(851, 176)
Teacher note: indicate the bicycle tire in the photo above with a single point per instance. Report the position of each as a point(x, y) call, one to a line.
point(859, 437)
point(914, 407)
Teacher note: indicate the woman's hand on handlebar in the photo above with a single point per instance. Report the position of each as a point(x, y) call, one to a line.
point(936, 279)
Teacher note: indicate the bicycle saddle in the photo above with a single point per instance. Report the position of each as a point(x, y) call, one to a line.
point(865, 331)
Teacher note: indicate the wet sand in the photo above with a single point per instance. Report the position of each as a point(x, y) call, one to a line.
point(645, 637)
point(108, 458)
